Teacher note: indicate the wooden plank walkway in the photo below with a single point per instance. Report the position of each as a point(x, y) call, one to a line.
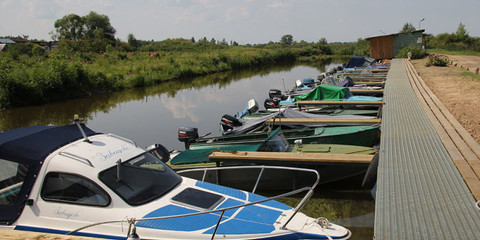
point(420, 192)
point(296, 157)
point(319, 103)
point(340, 121)
point(463, 149)
point(366, 91)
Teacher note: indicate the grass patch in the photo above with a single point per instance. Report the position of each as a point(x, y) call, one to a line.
point(442, 51)
point(472, 76)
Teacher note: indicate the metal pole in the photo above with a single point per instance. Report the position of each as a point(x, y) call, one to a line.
point(218, 224)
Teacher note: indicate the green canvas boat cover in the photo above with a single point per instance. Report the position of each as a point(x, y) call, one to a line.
point(201, 155)
point(325, 92)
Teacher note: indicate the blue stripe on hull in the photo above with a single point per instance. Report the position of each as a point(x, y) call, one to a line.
point(56, 231)
point(282, 237)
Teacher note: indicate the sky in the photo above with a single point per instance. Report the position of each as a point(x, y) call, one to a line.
point(246, 21)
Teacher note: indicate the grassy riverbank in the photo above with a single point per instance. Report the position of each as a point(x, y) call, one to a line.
point(28, 80)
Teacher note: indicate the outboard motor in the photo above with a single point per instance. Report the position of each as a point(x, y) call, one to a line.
point(298, 83)
point(252, 106)
point(321, 76)
point(271, 103)
point(331, 71)
point(159, 151)
point(228, 122)
point(187, 135)
point(275, 93)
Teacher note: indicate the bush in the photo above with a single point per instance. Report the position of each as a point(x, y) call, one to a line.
point(437, 60)
point(417, 53)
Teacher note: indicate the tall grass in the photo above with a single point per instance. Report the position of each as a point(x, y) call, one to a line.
point(29, 80)
point(464, 52)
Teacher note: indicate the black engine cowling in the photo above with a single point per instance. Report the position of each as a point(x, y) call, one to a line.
point(271, 103)
point(187, 135)
point(275, 93)
point(228, 122)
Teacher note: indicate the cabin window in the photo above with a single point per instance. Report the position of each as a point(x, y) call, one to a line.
point(12, 175)
point(140, 179)
point(70, 188)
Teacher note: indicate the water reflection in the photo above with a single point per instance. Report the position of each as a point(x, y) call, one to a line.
point(153, 114)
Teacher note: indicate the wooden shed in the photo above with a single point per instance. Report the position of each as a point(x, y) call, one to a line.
point(387, 46)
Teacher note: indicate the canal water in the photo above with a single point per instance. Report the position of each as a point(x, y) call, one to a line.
point(153, 115)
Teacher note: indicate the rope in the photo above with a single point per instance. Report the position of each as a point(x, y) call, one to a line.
point(324, 224)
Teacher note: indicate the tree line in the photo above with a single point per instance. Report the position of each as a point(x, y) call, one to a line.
point(460, 40)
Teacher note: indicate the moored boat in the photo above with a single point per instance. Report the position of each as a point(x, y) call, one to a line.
point(333, 161)
point(322, 111)
point(349, 135)
point(71, 179)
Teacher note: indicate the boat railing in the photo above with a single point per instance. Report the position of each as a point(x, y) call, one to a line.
point(76, 157)
point(262, 168)
point(308, 195)
point(260, 175)
point(122, 138)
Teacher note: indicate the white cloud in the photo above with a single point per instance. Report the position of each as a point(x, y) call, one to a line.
point(180, 108)
point(244, 21)
point(233, 14)
point(5, 4)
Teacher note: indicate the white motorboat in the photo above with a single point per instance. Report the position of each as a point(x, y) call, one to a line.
point(72, 180)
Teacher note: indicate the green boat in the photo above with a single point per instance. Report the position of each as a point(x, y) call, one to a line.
point(332, 161)
point(349, 135)
point(322, 111)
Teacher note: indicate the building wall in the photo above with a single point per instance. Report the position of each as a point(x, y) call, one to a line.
point(407, 39)
point(382, 47)
point(387, 46)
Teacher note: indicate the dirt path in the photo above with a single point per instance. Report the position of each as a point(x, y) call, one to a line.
point(458, 91)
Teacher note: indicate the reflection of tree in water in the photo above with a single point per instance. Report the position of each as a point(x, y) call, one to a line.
point(59, 113)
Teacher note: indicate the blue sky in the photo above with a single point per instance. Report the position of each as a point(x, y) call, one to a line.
point(246, 21)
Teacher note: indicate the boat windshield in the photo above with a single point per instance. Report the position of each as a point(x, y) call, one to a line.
point(140, 179)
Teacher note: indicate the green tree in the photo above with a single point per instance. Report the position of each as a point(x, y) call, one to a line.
point(362, 48)
point(93, 25)
point(287, 39)
point(132, 41)
point(70, 27)
point(407, 27)
point(90, 33)
point(38, 50)
point(462, 33)
point(323, 47)
point(95, 22)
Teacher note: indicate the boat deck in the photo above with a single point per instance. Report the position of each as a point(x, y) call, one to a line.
point(426, 188)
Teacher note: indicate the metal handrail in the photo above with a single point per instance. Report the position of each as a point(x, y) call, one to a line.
point(132, 221)
point(76, 157)
point(122, 138)
point(206, 169)
point(297, 208)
